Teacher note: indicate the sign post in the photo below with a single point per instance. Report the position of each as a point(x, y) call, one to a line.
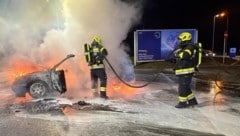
point(224, 45)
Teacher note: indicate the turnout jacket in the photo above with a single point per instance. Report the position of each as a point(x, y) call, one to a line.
point(185, 63)
point(97, 55)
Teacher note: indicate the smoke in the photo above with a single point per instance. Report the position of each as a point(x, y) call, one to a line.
point(45, 31)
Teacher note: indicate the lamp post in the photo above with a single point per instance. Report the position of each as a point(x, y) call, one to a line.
point(225, 40)
point(213, 32)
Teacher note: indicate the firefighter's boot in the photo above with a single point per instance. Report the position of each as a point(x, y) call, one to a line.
point(192, 102)
point(181, 105)
point(103, 94)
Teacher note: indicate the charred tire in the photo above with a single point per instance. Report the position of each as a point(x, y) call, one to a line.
point(38, 89)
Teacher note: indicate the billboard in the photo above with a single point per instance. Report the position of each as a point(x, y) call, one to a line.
point(157, 45)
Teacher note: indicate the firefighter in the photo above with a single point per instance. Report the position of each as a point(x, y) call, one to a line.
point(95, 54)
point(184, 70)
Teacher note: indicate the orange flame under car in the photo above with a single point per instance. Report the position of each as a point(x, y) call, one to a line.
point(74, 80)
point(19, 68)
point(119, 89)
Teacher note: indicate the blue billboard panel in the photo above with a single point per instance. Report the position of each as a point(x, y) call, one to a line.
point(149, 45)
point(169, 41)
point(154, 45)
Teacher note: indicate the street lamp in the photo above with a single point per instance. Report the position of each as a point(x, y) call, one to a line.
point(214, 21)
point(225, 40)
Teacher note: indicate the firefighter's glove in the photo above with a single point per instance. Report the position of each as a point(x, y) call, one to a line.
point(177, 56)
point(98, 62)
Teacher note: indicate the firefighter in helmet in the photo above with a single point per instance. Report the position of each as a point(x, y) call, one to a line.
point(184, 70)
point(95, 54)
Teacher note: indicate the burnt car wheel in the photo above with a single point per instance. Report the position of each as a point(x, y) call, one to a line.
point(38, 89)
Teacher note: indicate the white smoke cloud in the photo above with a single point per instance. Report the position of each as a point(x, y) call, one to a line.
point(50, 29)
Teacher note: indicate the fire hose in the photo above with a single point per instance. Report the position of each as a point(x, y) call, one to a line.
point(133, 86)
point(155, 76)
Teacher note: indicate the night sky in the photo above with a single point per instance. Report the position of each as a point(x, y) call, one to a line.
point(195, 14)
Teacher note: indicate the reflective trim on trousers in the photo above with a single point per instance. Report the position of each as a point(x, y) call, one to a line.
point(97, 66)
point(103, 89)
point(182, 99)
point(190, 96)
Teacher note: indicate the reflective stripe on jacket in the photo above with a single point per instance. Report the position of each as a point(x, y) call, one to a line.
point(184, 71)
point(99, 62)
point(184, 60)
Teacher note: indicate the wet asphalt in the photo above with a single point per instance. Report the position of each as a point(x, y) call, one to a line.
point(48, 118)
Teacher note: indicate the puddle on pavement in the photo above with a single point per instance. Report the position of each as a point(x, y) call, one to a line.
point(225, 88)
point(223, 93)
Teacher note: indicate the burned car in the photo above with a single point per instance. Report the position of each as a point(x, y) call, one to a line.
point(41, 83)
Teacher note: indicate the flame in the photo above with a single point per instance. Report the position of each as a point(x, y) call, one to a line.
point(19, 68)
point(119, 89)
point(77, 78)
